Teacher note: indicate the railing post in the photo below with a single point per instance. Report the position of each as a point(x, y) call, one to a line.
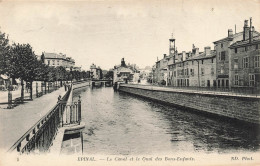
point(79, 110)
point(37, 95)
point(9, 99)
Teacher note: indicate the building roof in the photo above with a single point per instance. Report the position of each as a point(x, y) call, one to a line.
point(122, 69)
point(255, 40)
point(53, 55)
point(58, 56)
point(229, 38)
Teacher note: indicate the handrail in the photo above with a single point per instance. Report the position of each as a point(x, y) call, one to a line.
point(43, 120)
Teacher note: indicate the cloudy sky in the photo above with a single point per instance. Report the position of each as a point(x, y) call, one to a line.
point(103, 32)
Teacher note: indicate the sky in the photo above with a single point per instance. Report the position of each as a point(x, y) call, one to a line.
point(103, 32)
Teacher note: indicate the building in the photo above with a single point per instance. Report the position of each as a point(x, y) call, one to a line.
point(55, 60)
point(95, 72)
point(245, 61)
point(145, 73)
point(223, 54)
point(123, 73)
point(193, 68)
point(161, 69)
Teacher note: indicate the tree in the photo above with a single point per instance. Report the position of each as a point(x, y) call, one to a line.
point(5, 53)
point(109, 74)
point(24, 64)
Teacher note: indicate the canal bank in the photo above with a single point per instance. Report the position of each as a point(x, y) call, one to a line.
point(117, 123)
point(239, 107)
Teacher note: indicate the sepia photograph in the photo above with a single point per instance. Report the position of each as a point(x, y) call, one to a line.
point(127, 82)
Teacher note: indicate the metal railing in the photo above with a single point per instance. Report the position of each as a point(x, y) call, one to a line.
point(71, 113)
point(39, 137)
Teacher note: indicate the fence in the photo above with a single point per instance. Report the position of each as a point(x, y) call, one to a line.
point(39, 137)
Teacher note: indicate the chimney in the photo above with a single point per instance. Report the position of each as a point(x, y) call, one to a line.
point(184, 56)
point(207, 51)
point(246, 30)
point(197, 52)
point(250, 31)
point(164, 55)
point(230, 33)
point(157, 59)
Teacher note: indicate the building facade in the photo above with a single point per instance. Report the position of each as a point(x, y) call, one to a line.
point(95, 72)
point(223, 54)
point(193, 69)
point(123, 73)
point(55, 60)
point(245, 63)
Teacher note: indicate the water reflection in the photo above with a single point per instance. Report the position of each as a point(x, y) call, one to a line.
point(119, 123)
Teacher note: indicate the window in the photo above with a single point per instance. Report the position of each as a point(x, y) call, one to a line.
point(236, 79)
point(203, 83)
point(235, 50)
point(257, 60)
point(212, 71)
point(251, 80)
point(256, 46)
point(236, 63)
point(246, 48)
point(212, 60)
point(202, 71)
point(227, 83)
point(48, 62)
point(221, 45)
point(192, 62)
point(58, 62)
point(187, 72)
point(201, 61)
point(223, 55)
point(53, 62)
point(222, 70)
point(174, 73)
point(219, 57)
point(246, 62)
point(192, 72)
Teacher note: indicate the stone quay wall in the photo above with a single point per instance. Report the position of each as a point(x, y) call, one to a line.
point(80, 84)
point(244, 108)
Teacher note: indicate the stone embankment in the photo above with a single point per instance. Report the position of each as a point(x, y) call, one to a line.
point(240, 107)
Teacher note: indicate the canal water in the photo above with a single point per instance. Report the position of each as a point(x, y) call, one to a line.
point(121, 124)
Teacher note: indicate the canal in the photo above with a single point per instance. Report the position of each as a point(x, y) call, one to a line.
point(122, 124)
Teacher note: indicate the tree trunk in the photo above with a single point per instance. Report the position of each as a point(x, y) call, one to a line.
point(22, 90)
point(45, 86)
point(31, 89)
